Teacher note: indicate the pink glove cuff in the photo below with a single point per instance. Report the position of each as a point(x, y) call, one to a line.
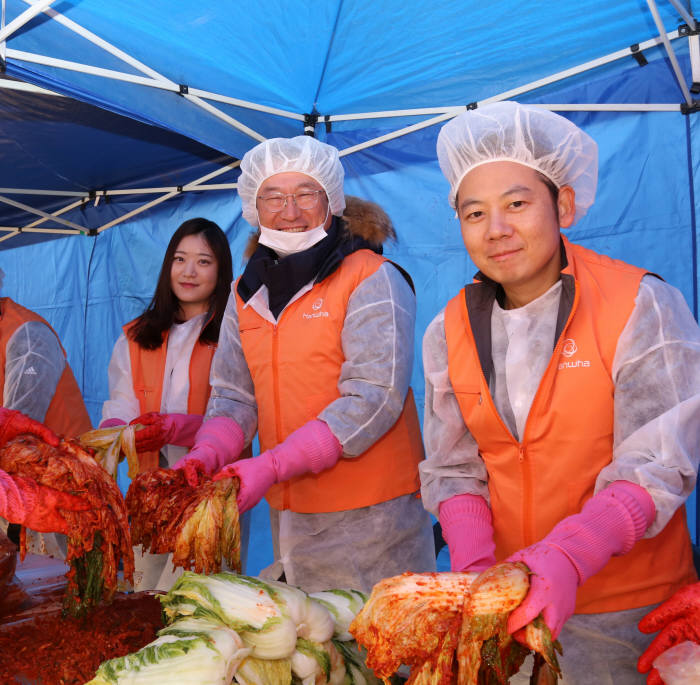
point(468, 530)
point(313, 447)
point(460, 509)
point(639, 504)
point(110, 423)
point(609, 524)
point(218, 442)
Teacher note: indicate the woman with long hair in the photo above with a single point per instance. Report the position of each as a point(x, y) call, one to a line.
point(159, 371)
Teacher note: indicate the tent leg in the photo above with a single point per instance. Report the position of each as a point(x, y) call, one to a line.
point(669, 51)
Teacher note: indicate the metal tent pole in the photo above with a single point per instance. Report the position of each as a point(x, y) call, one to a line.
point(155, 77)
point(27, 87)
point(191, 186)
point(513, 92)
point(669, 51)
point(687, 16)
point(33, 210)
point(24, 18)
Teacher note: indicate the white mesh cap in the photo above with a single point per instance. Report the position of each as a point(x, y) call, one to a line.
point(303, 154)
point(511, 132)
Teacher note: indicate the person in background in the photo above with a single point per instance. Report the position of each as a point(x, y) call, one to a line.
point(316, 349)
point(22, 500)
point(562, 397)
point(159, 370)
point(38, 382)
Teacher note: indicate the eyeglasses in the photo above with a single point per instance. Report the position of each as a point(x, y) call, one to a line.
point(305, 199)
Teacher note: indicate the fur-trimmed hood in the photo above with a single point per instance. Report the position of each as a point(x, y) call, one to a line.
point(361, 218)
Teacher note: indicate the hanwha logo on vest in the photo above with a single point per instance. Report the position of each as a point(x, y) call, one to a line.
point(570, 348)
point(317, 313)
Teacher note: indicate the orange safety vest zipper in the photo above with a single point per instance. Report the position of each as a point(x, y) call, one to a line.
point(277, 403)
point(529, 535)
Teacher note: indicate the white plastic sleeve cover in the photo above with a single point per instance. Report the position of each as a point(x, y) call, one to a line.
point(452, 464)
point(232, 392)
point(657, 400)
point(377, 342)
point(122, 403)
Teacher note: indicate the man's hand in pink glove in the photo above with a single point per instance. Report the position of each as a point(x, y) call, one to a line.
point(467, 529)
point(14, 423)
point(678, 619)
point(218, 441)
point(36, 506)
point(579, 546)
point(312, 448)
point(553, 585)
point(165, 429)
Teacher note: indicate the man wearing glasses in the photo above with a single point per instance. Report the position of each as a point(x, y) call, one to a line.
point(316, 348)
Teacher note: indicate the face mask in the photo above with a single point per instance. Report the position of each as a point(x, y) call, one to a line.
point(284, 243)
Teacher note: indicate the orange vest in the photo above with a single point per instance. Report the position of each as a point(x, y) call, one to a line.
point(295, 365)
point(147, 371)
point(568, 436)
point(66, 415)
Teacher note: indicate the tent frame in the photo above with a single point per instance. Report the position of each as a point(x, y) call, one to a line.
point(150, 78)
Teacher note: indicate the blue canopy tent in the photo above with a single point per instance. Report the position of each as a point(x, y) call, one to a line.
point(202, 83)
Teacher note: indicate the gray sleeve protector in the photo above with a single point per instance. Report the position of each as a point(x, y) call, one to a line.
point(34, 363)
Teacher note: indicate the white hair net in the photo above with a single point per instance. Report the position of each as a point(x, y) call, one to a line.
point(303, 154)
point(533, 136)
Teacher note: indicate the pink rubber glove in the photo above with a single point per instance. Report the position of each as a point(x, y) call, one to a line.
point(579, 546)
point(218, 441)
point(110, 423)
point(165, 429)
point(311, 448)
point(14, 423)
point(468, 532)
point(24, 501)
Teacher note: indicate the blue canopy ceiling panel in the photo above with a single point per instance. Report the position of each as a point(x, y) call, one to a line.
point(331, 57)
point(122, 154)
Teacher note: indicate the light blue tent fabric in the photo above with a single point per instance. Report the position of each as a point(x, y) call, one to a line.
point(338, 58)
point(332, 57)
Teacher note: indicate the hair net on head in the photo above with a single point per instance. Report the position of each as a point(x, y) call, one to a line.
point(511, 132)
point(303, 154)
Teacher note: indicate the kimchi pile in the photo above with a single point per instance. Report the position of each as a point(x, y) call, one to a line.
point(98, 539)
point(451, 628)
point(199, 525)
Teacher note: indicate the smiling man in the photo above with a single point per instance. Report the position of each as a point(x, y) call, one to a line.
point(562, 397)
point(316, 350)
